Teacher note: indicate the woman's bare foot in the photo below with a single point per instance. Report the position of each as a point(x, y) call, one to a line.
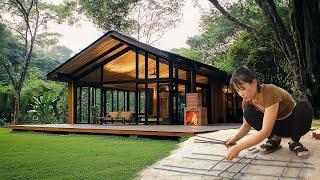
point(298, 149)
point(303, 154)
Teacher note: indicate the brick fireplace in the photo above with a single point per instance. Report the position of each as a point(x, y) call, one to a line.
point(194, 113)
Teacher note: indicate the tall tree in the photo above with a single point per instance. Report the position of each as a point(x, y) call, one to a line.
point(227, 47)
point(24, 18)
point(147, 20)
point(300, 44)
point(109, 14)
point(154, 17)
point(28, 13)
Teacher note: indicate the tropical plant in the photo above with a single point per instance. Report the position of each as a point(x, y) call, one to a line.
point(43, 106)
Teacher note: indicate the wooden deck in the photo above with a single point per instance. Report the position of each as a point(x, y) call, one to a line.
point(131, 130)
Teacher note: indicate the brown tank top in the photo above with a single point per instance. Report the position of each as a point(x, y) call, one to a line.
point(272, 94)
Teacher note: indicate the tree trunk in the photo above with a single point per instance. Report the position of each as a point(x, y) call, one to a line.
point(16, 106)
point(287, 45)
point(306, 33)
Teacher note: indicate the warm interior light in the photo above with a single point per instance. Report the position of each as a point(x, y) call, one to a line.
point(227, 89)
point(154, 73)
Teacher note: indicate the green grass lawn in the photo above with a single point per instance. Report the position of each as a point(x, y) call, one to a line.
point(26, 155)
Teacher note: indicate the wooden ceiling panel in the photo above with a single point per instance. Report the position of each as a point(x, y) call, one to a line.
point(91, 53)
point(92, 77)
point(124, 68)
point(112, 53)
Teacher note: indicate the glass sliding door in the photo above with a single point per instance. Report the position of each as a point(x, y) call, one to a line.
point(83, 101)
point(181, 103)
point(94, 104)
point(121, 102)
point(164, 103)
point(132, 100)
point(114, 100)
point(151, 100)
point(141, 104)
point(108, 101)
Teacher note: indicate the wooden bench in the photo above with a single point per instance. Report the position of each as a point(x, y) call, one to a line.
point(111, 116)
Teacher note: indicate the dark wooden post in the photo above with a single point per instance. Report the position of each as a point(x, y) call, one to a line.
point(112, 101)
point(118, 100)
point(176, 95)
point(171, 115)
point(128, 100)
point(80, 104)
point(193, 80)
point(146, 101)
point(209, 114)
point(137, 88)
point(104, 101)
point(89, 112)
point(188, 84)
point(101, 91)
point(158, 96)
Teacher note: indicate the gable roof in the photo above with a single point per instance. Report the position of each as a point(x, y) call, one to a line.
point(112, 43)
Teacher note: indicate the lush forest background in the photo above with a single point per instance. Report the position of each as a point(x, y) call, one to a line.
point(232, 34)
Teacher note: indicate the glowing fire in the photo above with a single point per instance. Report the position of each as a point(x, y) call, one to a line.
point(194, 118)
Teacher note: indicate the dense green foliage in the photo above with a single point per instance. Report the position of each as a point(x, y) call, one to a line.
point(225, 46)
point(26, 155)
point(109, 15)
point(36, 85)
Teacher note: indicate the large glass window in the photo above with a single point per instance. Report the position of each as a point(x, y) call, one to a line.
point(126, 105)
point(152, 103)
point(142, 66)
point(163, 68)
point(182, 74)
point(94, 104)
point(120, 96)
point(132, 100)
point(152, 67)
point(201, 79)
point(97, 101)
point(141, 102)
point(115, 102)
point(181, 103)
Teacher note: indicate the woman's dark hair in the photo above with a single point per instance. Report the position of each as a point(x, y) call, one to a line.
point(244, 74)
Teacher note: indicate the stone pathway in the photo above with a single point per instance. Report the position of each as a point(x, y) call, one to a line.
point(199, 158)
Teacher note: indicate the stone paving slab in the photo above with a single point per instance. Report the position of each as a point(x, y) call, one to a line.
point(193, 160)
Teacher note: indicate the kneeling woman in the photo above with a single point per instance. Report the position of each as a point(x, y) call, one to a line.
point(270, 110)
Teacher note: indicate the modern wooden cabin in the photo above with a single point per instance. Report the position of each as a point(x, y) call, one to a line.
point(119, 73)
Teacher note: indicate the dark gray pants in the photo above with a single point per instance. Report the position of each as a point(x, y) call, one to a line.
point(294, 126)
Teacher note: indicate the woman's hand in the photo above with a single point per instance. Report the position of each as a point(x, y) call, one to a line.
point(233, 152)
point(230, 142)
